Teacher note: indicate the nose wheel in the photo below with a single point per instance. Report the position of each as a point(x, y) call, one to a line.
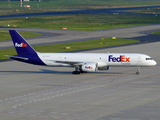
point(138, 71)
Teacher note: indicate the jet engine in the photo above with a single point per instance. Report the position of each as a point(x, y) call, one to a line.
point(89, 67)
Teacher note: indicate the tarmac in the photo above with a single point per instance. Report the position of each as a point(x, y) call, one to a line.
point(80, 11)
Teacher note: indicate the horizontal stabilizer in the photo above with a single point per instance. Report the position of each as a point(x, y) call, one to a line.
point(16, 57)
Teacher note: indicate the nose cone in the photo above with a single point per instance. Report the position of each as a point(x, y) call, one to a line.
point(151, 63)
point(154, 63)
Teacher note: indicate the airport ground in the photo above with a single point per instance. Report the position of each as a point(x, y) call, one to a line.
point(31, 92)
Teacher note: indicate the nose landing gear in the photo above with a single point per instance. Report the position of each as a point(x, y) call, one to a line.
point(138, 70)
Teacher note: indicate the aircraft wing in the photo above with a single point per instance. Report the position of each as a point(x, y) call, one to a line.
point(74, 63)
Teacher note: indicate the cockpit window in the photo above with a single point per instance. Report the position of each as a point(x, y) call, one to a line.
point(149, 59)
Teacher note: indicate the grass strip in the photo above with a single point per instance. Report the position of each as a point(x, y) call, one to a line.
point(78, 4)
point(5, 35)
point(156, 32)
point(98, 43)
point(84, 22)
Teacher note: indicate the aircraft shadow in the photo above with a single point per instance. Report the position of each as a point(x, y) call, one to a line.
point(36, 72)
point(45, 71)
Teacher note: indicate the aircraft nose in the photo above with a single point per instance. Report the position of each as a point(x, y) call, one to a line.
point(154, 62)
point(151, 63)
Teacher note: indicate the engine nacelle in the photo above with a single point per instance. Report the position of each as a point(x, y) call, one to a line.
point(104, 68)
point(89, 67)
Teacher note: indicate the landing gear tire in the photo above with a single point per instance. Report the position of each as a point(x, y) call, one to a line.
point(138, 70)
point(82, 71)
point(75, 72)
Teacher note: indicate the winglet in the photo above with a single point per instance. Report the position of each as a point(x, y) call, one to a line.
point(21, 45)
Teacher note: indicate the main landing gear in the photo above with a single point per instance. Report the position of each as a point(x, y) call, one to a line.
point(78, 71)
point(138, 70)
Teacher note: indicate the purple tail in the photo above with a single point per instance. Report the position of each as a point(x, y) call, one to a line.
point(21, 45)
point(24, 50)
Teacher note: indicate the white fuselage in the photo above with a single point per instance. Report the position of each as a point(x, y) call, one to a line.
point(102, 59)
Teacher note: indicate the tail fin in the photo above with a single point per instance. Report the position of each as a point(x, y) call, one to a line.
point(21, 45)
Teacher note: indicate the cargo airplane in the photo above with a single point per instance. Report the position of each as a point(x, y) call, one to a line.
point(83, 62)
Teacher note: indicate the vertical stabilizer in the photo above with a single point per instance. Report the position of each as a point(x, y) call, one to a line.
point(21, 45)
